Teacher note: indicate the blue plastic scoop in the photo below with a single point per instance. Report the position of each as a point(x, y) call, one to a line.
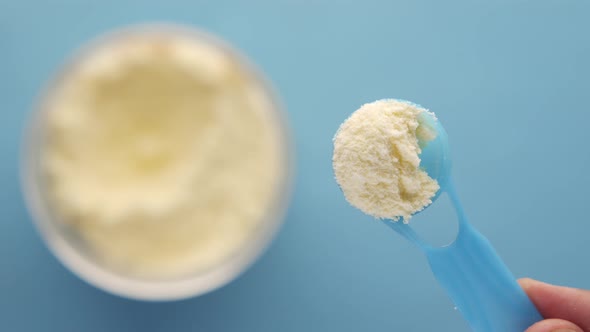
point(474, 276)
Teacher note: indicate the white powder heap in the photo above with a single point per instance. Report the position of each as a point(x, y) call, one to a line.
point(163, 152)
point(376, 159)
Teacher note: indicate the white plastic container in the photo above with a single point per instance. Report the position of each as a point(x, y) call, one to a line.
point(68, 247)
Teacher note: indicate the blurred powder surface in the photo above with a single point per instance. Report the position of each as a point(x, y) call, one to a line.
point(162, 151)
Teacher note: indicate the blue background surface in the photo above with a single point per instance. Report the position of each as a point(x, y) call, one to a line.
point(510, 80)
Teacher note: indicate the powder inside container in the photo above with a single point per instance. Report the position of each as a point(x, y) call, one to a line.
point(376, 159)
point(163, 152)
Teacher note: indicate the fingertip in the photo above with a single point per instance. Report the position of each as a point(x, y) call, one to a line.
point(526, 283)
point(530, 284)
point(554, 325)
point(568, 304)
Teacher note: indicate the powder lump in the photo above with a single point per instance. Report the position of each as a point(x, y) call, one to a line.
point(376, 159)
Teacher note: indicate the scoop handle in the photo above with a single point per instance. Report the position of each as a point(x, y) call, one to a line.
point(481, 286)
